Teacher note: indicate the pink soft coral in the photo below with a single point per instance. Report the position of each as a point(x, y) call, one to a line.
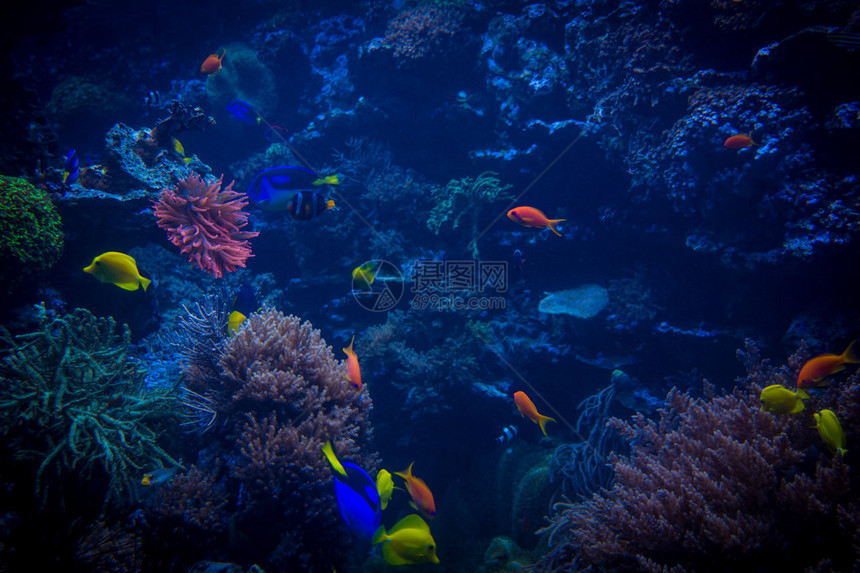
point(205, 222)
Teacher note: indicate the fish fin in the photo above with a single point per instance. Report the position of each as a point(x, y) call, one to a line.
point(841, 451)
point(329, 204)
point(414, 506)
point(799, 406)
point(542, 420)
point(551, 223)
point(332, 459)
point(378, 535)
point(801, 393)
point(134, 285)
point(407, 473)
point(145, 282)
point(850, 355)
point(348, 350)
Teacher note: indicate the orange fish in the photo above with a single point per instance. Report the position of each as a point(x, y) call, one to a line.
point(527, 409)
point(739, 141)
point(353, 373)
point(212, 64)
point(422, 497)
point(820, 367)
point(531, 217)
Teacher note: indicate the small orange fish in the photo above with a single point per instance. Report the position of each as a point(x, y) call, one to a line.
point(353, 373)
point(820, 367)
point(531, 217)
point(212, 64)
point(739, 141)
point(422, 497)
point(528, 410)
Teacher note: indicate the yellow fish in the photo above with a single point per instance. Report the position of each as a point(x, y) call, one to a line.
point(327, 180)
point(384, 487)
point(778, 399)
point(831, 431)
point(408, 543)
point(178, 148)
point(234, 321)
point(119, 269)
point(364, 275)
point(332, 459)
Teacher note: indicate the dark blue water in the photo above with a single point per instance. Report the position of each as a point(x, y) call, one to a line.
point(698, 154)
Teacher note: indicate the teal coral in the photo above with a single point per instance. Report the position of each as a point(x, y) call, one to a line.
point(465, 197)
point(243, 77)
point(71, 401)
point(32, 239)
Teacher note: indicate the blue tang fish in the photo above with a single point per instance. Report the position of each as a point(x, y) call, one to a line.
point(357, 498)
point(70, 168)
point(280, 187)
point(244, 112)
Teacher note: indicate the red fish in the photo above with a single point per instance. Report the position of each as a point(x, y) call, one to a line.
point(528, 410)
point(353, 373)
point(820, 367)
point(531, 217)
point(422, 497)
point(739, 141)
point(212, 64)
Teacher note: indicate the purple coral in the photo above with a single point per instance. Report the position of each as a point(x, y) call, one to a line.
point(276, 396)
point(716, 484)
point(420, 33)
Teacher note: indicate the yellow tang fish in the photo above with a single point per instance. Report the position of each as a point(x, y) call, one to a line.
point(234, 321)
point(408, 543)
point(364, 275)
point(384, 487)
point(831, 431)
point(119, 269)
point(778, 399)
point(327, 180)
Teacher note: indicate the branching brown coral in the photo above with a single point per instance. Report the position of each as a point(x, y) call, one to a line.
point(279, 394)
point(717, 484)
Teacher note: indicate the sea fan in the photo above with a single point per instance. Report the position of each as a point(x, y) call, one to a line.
point(205, 222)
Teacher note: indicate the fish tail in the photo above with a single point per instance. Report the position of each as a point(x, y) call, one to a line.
point(542, 420)
point(332, 180)
point(223, 53)
point(144, 282)
point(850, 355)
point(332, 459)
point(407, 473)
point(551, 223)
point(378, 536)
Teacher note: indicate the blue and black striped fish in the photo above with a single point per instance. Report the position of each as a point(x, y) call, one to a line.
point(306, 205)
point(296, 189)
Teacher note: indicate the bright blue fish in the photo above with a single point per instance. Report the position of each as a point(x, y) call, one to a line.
point(276, 186)
point(358, 501)
point(70, 168)
point(244, 112)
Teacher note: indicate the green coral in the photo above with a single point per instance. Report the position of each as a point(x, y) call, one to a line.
point(464, 198)
point(71, 400)
point(32, 237)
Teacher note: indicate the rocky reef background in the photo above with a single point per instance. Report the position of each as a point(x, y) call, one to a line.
point(436, 115)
